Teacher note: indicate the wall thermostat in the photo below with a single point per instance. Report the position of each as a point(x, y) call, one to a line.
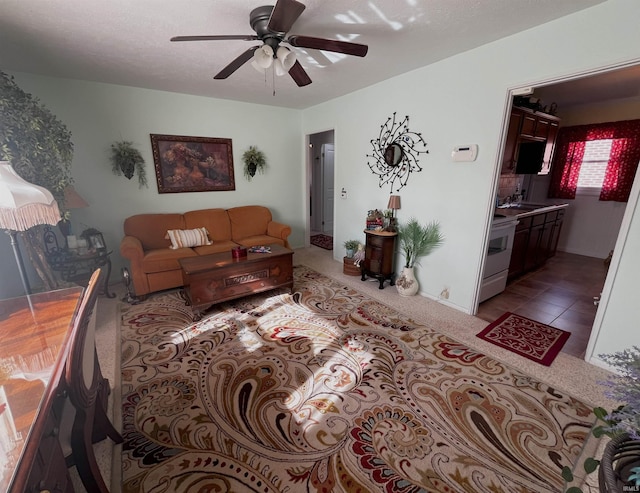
point(465, 153)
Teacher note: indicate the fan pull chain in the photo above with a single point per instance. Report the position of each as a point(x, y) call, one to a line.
point(273, 76)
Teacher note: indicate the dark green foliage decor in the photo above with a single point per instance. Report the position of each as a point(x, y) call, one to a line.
point(33, 140)
point(127, 160)
point(254, 160)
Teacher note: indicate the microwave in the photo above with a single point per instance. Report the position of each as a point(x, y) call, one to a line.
point(530, 157)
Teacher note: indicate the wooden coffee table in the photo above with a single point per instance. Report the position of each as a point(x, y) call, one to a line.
point(211, 279)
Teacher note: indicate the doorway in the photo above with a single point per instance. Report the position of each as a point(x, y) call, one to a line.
point(321, 185)
point(566, 286)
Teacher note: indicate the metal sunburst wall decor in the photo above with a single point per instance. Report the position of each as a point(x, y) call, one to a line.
point(395, 153)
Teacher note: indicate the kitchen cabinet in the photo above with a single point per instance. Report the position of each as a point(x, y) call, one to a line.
point(519, 249)
point(533, 255)
point(526, 127)
point(535, 241)
point(510, 149)
point(555, 227)
point(379, 256)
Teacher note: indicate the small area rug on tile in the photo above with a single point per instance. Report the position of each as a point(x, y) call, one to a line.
point(533, 340)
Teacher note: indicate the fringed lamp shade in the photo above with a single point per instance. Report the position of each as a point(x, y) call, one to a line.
point(23, 204)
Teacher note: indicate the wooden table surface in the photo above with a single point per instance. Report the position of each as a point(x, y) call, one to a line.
point(33, 345)
point(192, 265)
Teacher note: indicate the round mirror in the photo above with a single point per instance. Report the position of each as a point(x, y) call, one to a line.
point(393, 154)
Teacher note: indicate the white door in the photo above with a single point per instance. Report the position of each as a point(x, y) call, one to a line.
point(327, 188)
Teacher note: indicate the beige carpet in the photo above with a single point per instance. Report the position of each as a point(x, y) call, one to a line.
point(567, 373)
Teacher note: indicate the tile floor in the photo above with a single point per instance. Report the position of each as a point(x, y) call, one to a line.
point(559, 294)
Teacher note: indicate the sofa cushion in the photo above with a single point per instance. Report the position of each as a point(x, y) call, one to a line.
point(260, 240)
point(215, 220)
point(247, 221)
point(216, 247)
point(165, 259)
point(182, 238)
point(151, 229)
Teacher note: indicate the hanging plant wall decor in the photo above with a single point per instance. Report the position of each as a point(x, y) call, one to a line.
point(254, 161)
point(395, 153)
point(126, 160)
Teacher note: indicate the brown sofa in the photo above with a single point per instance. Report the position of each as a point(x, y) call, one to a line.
point(154, 266)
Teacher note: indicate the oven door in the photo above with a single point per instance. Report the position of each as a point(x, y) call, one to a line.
point(496, 266)
point(499, 250)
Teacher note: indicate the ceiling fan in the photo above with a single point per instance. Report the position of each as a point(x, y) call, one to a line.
point(271, 24)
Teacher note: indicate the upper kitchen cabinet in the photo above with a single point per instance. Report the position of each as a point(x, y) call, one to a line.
point(510, 148)
point(531, 138)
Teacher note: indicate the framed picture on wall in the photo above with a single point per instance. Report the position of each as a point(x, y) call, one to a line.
point(192, 164)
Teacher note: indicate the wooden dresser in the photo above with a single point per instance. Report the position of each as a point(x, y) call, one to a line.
point(33, 347)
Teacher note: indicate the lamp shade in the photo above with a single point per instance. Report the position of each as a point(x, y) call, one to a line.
point(262, 58)
point(73, 200)
point(285, 59)
point(23, 204)
point(394, 202)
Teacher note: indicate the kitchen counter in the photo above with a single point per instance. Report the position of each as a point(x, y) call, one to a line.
point(525, 209)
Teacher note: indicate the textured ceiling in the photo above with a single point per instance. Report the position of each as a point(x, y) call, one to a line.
point(127, 42)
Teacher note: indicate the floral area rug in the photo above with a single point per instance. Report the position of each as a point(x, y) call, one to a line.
point(322, 241)
point(533, 340)
point(327, 390)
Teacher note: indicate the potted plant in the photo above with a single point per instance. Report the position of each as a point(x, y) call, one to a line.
point(351, 246)
point(416, 241)
point(254, 160)
point(619, 467)
point(127, 160)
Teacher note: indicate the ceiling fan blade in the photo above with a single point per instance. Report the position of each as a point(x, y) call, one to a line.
point(284, 14)
point(227, 37)
point(299, 75)
point(236, 64)
point(328, 45)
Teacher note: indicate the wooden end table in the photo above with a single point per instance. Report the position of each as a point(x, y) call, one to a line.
point(379, 256)
point(211, 279)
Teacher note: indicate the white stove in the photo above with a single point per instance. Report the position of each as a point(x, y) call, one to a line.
point(496, 266)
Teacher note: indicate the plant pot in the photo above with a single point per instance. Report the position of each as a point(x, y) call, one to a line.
point(349, 268)
point(620, 455)
point(252, 167)
point(407, 284)
point(350, 253)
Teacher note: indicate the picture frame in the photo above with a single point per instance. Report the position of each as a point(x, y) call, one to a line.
point(97, 242)
point(192, 164)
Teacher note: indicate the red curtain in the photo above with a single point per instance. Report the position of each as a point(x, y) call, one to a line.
point(621, 168)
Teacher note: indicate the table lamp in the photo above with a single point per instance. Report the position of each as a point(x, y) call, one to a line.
point(394, 205)
point(72, 200)
point(22, 206)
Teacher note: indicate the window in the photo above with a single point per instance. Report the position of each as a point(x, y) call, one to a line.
point(594, 165)
point(598, 158)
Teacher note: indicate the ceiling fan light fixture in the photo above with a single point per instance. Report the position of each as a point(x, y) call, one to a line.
point(285, 59)
point(262, 58)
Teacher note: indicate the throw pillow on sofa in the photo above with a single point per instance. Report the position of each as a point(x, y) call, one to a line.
point(182, 238)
